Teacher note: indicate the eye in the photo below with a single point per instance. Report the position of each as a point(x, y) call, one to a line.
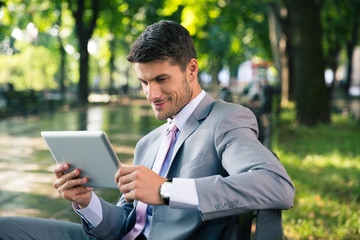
point(143, 82)
point(161, 79)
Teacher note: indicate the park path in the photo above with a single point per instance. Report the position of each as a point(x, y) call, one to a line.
point(26, 164)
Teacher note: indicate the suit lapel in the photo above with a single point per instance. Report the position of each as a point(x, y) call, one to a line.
point(196, 118)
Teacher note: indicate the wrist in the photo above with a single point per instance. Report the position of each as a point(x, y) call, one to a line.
point(165, 191)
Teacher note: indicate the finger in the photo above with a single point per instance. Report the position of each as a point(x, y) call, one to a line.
point(129, 197)
point(124, 170)
point(134, 180)
point(128, 182)
point(117, 175)
point(60, 169)
point(126, 188)
point(125, 179)
point(70, 184)
point(66, 177)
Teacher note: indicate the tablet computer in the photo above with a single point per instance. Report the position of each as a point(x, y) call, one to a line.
point(89, 151)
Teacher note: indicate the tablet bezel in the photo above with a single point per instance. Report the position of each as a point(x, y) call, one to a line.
point(89, 151)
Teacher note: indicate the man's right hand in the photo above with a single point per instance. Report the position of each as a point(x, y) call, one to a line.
point(70, 187)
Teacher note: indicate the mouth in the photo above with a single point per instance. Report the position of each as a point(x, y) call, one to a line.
point(158, 105)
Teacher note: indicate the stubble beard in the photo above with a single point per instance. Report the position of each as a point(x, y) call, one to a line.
point(175, 107)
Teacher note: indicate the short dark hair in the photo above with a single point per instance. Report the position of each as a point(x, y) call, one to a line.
point(165, 40)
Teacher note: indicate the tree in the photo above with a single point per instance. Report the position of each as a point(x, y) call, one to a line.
point(332, 43)
point(352, 20)
point(280, 38)
point(199, 17)
point(62, 70)
point(296, 35)
point(85, 22)
point(111, 26)
point(225, 33)
point(341, 29)
point(44, 16)
point(312, 98)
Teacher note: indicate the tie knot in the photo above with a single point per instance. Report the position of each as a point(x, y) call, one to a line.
point(172, 127)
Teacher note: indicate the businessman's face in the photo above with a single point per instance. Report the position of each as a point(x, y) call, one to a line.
point(167, 88)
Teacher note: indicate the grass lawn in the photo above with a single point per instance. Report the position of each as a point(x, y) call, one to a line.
point(324, 164)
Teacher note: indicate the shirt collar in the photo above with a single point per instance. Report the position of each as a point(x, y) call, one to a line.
point(181, 118)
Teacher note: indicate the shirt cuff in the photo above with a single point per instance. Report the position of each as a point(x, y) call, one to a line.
point(92, 214)
point(183, 193)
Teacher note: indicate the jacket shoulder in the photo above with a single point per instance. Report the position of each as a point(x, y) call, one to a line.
point(235, 115)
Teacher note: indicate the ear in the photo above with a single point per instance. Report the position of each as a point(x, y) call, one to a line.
point(192, 69)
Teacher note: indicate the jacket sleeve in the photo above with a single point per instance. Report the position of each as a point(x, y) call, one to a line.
point(256, 178)
point(115, 222)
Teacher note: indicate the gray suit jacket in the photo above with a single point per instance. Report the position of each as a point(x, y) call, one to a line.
point(234, 175)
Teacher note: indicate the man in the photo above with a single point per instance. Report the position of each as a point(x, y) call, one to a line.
point(214, 171)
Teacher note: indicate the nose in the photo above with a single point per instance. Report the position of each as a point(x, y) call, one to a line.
point(152, 91)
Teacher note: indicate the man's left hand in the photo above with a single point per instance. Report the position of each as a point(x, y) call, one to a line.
point(139, 183)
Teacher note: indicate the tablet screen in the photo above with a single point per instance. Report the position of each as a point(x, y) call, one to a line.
point(89, 151)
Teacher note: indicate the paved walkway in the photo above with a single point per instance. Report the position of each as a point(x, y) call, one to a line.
point(26, 164)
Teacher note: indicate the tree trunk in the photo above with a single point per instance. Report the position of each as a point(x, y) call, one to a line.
point(62, 56)
point(333, 63)
point(215, 69)
point(83, 89)
point(112, 65)
point(350, 50)
point(276, 35)
point(62, 69)
point(312, 99)
point(84, 31)
point(281, 48)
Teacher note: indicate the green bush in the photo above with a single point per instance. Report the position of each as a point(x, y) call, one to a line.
point(34, 67)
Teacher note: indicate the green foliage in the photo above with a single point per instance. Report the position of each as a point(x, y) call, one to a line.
point(225, 32)
point(338, 20)
point(194, 14)
point(324, 165)
point(34, 67)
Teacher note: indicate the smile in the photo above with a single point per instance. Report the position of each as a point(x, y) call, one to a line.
point(158, 105)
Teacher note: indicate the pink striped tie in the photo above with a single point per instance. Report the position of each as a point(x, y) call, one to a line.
point(141, 207)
